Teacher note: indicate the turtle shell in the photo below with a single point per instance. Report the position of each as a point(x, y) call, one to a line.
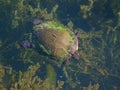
point(55, 37)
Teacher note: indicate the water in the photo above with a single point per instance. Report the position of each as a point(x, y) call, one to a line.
point(99, 46)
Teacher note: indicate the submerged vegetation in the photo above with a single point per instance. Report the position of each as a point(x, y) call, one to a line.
point(25, 80)
point(99, 45)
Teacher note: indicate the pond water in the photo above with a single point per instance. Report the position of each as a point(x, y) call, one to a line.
point(32, 65)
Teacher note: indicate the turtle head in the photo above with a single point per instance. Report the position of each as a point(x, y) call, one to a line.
point(37, 21)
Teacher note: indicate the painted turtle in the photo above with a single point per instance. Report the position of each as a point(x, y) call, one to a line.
point(56, 39)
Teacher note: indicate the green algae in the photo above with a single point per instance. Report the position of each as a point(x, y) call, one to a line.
point(51, 25)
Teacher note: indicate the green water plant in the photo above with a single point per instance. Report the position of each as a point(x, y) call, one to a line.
point(26, 80)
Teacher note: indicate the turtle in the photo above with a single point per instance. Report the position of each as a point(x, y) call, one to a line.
point(56, 40)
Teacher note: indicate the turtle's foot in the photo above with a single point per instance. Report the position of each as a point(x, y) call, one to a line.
point(76, 55)
point(27, 44)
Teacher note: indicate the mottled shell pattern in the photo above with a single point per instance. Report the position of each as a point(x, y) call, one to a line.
point(55, 37)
